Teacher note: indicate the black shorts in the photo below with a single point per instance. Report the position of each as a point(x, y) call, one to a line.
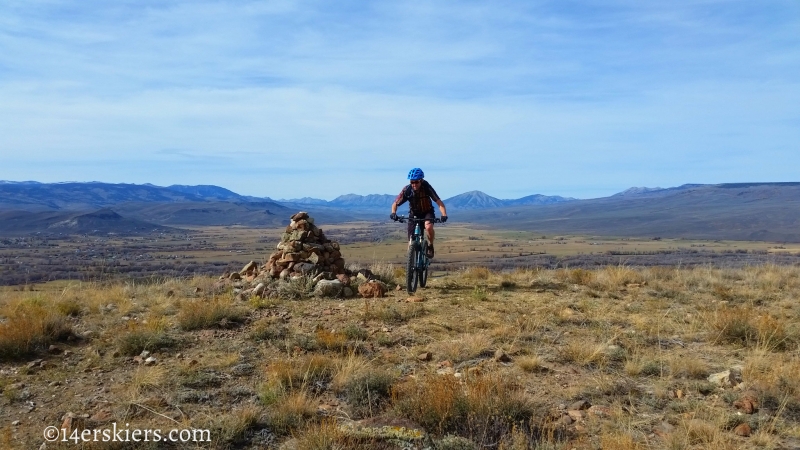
point(411, 224)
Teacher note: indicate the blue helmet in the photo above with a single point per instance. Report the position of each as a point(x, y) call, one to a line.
point(416, 174)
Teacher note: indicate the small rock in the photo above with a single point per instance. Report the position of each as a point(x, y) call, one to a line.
point(33, 364)
point(15, 423)
point(743, 429)
point(501, 356)
point(474, 371)
point(150, 361)
point(728, 378)
point(580, 405)
point(344, 279)
point(425, 356)
point(398, 288)
point(415, 299)
point(748, 403)
point(243, 369)
point(67, 353)
point(138, 359)
point(144, 354)
point(372, 289)
point(53, 350)
point(103, 416)
point(259, 290)
point(575, 414)
point(664, 429)
point(600, 411)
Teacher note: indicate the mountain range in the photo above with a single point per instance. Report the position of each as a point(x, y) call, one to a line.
point(747, 211)
point(33, 196)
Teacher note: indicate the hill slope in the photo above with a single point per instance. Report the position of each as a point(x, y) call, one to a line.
point(103, 221)
point(744, 211)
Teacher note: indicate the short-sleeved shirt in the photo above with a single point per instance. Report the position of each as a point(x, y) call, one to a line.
point(419, 202)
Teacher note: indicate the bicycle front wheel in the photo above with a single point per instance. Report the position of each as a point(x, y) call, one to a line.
point(422, 266)
point(411, 268)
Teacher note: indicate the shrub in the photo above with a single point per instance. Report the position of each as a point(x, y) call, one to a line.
point(194, 316)
point(368, 392)
point(268, 329)
point(300, 372)
point(743, 326)
point(355, 332)
point(295, 288)
point(292, 413)
point(232, 428)
point(386, 272)
point(69, 307)
point(480, 294)
point(29, 326)
point(485, 408)
point(331, 340)
point(138, 338)
point(393, 315)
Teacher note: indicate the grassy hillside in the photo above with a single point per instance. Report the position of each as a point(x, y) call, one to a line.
point(614, 358)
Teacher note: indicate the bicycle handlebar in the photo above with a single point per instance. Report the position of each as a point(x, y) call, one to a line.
point(402, 219)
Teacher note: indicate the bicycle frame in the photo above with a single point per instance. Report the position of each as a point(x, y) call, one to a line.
point(418, 261)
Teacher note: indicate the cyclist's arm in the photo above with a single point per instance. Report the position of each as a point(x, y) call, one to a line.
point(442, 209)
point(399, 200)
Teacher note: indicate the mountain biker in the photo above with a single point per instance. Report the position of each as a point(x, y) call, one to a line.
point(420, 196)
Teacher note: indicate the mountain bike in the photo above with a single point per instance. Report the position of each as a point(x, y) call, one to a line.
point(418, 261)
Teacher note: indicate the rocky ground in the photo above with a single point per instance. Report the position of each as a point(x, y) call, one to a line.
point(609, 358)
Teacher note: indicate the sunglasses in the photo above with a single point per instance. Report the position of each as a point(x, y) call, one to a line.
point(416, 181)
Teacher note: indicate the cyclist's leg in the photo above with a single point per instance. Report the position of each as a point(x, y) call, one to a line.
point(410, 229)
point(429, 232)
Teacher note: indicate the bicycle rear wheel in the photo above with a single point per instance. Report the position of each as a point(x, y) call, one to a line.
point(411, 268)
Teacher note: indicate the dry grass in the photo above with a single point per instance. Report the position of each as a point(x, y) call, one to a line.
point(292, 413)
point(29, 324)
point(303, 371)
point(638, 344)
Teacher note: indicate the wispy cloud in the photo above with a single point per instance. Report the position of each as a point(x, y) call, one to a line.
point(576, 97)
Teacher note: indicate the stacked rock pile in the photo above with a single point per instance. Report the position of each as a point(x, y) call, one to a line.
point(304, 250)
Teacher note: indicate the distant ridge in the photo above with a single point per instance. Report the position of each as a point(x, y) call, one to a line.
point(480, 200)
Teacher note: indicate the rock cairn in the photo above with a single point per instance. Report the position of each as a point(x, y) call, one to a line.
point(304, 250)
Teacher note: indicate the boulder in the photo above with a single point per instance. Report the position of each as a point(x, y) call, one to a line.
point(728, 378)
point(328, 288)
point(249, 268)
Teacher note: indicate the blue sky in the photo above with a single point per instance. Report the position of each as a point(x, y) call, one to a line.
point(290, 99)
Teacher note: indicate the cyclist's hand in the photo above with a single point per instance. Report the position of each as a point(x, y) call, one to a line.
point(393, 216)
point(444, 219)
